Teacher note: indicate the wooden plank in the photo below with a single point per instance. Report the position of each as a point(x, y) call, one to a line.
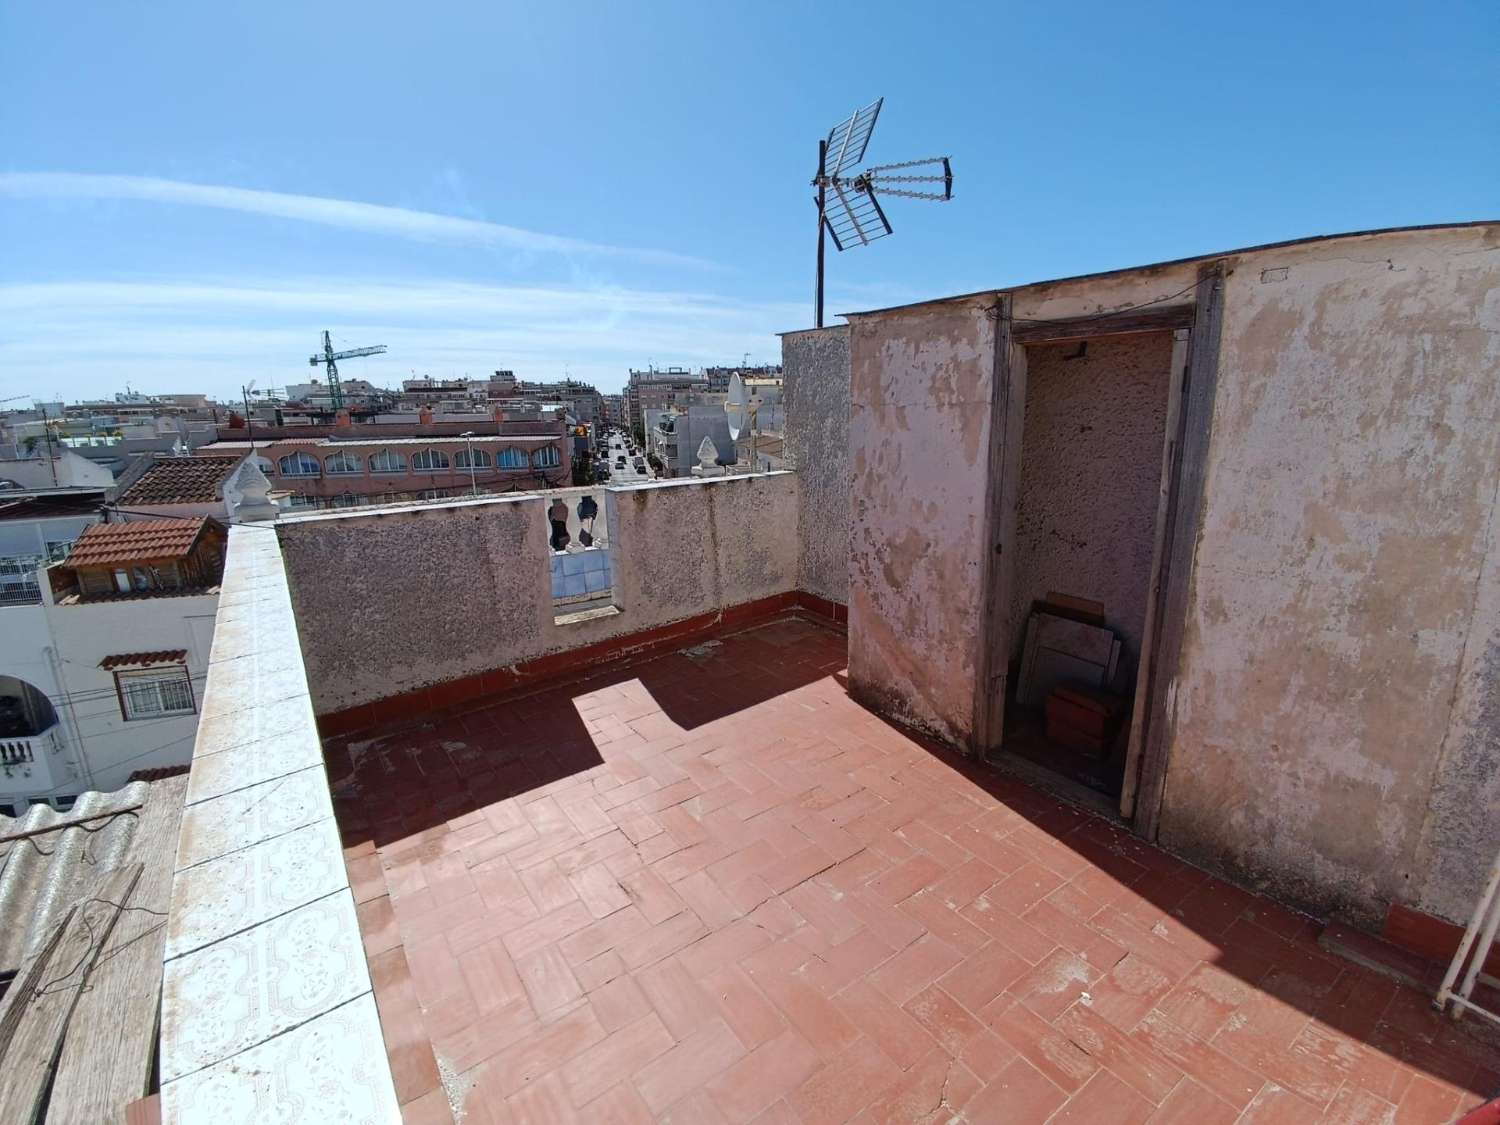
point(1171, 442)
point(45, 1008)
point(1184, 524)
point(107, 1059)
point(995, 566)
point(29, 976)
point(1165, 318)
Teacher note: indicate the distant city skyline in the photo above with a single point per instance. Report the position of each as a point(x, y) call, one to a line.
point(190, 195)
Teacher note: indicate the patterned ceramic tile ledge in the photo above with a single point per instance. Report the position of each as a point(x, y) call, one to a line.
point(267, 1013)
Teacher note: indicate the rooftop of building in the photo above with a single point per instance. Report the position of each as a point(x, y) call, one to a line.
point(83, 893)
point(198, 479)
point(709, 886)
point(136, 541)
point(1207, 257)
point(57, 503)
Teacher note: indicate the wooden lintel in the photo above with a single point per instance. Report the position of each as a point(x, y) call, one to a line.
point(1167, 318)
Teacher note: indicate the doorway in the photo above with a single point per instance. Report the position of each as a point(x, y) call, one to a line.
point(1091, 475)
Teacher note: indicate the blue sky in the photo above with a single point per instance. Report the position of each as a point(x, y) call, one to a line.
point(191, 192)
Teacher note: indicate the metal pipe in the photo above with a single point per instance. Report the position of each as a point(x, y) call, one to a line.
point(822, 206)
point(473, 483)
point(1481, 909)
point(1480, 952)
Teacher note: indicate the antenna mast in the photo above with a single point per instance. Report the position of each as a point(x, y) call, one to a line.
point(857, 218)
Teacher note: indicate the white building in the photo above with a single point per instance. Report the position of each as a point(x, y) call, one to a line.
point(102, 677)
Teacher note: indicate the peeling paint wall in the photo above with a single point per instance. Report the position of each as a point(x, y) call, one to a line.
point(396, 599)
point(1333, 618)
point(1332, 727)
point(918, 435)
point(815, 367)
point(1090, 477)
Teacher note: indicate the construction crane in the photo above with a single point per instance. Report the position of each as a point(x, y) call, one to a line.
point(335, 390)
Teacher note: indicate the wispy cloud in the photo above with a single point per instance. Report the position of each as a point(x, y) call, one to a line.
point(87, 338)
point(347, 214)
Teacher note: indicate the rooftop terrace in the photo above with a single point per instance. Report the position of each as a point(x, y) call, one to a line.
point(710, 887)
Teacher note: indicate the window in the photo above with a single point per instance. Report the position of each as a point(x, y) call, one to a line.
point(341, 464)
point(57, 550)
point(481, 459)
point(428, 460)
point(547, 458)
point(512, 459)
point(387, 461)
point(155, 693)
point(300, 465)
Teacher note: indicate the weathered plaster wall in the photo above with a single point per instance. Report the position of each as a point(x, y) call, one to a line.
point(1459, 839)
point(918, 437)
point(1333, 619)
point(390, 600)
point(815, 367)
point(1090, 476)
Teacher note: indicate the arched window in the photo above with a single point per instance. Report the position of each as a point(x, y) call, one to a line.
point(428, 460)
point(387, 461)
point(461, 459)
point(512, 459)
point(546, 458)
point(300, 464)
point(342, 464)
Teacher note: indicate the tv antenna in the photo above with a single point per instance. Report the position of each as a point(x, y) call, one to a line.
point(853, 216)
point(335, 389)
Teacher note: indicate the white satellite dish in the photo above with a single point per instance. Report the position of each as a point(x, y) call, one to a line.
point(739, 408)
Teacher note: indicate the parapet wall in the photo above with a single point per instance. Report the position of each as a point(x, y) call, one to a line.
point(390, 601)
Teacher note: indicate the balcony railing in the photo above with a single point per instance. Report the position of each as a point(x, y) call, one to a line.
point(20, 594)
point(26, 761)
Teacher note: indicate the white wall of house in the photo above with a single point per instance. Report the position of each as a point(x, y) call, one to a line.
point(67, 469)
point(58, 649)
point(114, 746)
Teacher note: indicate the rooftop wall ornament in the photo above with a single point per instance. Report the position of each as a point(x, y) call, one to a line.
point(708, 455)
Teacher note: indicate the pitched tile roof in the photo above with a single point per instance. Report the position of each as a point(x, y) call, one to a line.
point(182, 480)
point(134, 659)
point(107, 544)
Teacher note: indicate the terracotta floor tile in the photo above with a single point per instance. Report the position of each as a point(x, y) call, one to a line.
point(678, 998)
point(1104, 1098)
point(1020, 1093)
point(1192, 1104)
point(857, 1076)
point(1276, 1105)
point(1065, 1064)
point(548, 981)
point(700, 889)
point(689, 1066)
point(1135, 1063)
point(620, 1105)
point(616, 1058)
point(770, 1072)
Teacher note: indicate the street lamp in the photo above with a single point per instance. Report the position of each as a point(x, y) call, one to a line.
point(473, 483)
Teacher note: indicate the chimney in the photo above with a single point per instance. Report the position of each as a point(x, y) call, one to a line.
point(424, 416)
point(342, 418)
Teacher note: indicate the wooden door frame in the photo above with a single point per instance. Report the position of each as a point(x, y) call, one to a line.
point(1185, 456)
point(1171, 584)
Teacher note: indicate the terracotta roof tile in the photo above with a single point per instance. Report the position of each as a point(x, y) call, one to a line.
point(135, 659)
point(107, 544)
point(182, 480)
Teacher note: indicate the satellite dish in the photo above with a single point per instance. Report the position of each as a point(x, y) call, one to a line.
point(740, 407)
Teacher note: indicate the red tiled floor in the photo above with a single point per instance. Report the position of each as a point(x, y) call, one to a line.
point(709, 887)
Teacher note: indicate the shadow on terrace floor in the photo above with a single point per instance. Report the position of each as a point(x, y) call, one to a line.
point(710, 886)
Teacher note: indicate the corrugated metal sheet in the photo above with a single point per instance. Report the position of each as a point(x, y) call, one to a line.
point(42, 876)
